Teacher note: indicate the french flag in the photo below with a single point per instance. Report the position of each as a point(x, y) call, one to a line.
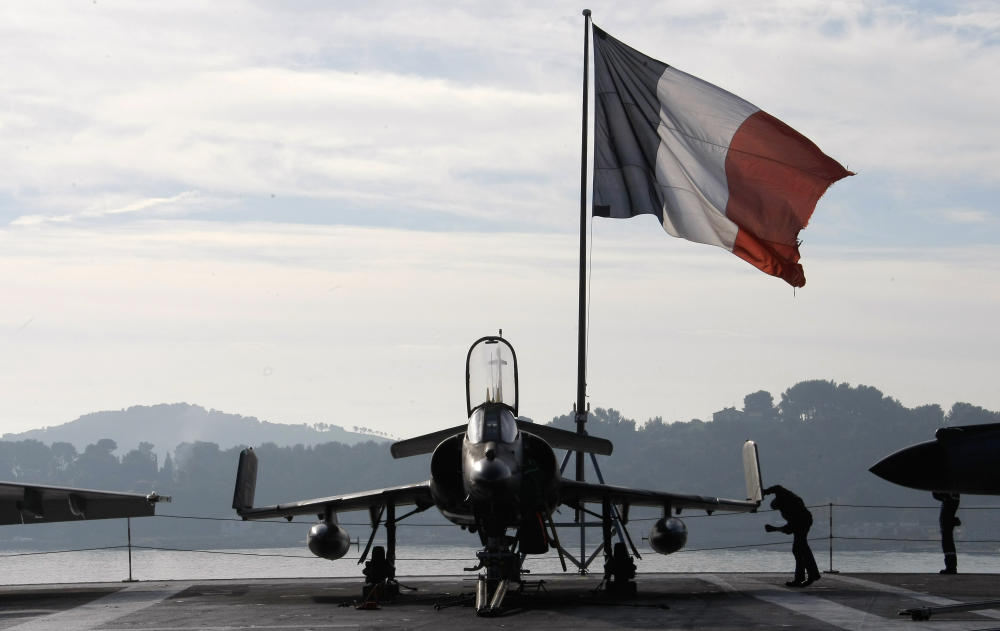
point(712, 167)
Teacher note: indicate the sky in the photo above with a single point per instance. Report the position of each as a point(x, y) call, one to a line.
point(307, 211)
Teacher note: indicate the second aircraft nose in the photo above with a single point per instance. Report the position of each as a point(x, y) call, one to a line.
point(921, 466)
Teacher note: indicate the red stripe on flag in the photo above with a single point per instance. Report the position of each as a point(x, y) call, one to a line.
point(775, 175)
point(776, 259)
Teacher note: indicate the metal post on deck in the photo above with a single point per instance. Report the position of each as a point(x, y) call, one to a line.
point(390, 536)
point(128, 521)
point(830, 538)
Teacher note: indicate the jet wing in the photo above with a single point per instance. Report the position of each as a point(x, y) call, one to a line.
point(555, 437)
point(37, 503)
point(572, 493)
point(418, 494)
point(423, 444)
point(562, 439)
point(246, 485)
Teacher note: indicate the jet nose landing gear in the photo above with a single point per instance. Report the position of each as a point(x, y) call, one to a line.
point(503, 566)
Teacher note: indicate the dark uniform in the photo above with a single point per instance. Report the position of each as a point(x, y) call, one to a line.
point(798, 522)
point(947, 521)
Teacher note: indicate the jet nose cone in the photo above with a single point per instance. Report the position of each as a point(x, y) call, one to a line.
point(490, 471)
point(887, 468)
point(921, 466)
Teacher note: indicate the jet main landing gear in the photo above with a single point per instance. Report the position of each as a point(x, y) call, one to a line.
point(380, 580)
point(619, 572)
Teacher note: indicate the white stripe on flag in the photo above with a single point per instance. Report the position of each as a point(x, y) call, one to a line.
point(697, 124)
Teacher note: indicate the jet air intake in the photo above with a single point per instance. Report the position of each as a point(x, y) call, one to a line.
point(328, 540)
point(668, 535)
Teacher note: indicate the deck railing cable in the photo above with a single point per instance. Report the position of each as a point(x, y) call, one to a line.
point(830, 536)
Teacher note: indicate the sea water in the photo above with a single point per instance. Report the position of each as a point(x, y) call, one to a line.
point(31, 567)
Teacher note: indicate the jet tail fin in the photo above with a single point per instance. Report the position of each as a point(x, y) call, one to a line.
point(246, 481)
point(751, 472)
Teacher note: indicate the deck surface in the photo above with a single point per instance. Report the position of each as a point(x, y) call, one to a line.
point(664, 601)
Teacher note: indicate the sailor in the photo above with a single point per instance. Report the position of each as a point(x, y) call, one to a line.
point(948, 521)
point(798, 522)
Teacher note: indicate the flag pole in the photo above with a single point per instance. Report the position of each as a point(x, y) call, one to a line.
point(581, 364)
point(581, 383)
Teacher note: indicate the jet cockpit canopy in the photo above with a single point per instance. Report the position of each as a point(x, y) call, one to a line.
point(491, 374)
point(492, 423)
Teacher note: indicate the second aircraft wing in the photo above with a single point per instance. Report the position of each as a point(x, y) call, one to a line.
point(37, 503)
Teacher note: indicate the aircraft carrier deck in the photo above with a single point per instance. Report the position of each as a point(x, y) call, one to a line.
point(665, 601)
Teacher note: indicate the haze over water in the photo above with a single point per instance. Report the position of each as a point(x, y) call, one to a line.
point(112, 565)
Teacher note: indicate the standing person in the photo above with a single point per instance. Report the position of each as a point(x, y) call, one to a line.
point(798, 522)
point(948, 521)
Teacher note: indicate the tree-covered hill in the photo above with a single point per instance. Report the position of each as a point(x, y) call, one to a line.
point(819, 440)
point(167, 425)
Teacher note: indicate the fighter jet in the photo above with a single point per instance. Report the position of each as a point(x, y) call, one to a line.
point(494, 474)
point(962, 459)
point(38, 504)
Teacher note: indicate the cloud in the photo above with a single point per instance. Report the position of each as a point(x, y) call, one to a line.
point(319, 134)
point(986, 22)
point(124, 125)
point(384, 105)
point(160, 204)
point(967, 216)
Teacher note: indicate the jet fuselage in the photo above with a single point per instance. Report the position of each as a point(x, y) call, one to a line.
point(494, 475)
